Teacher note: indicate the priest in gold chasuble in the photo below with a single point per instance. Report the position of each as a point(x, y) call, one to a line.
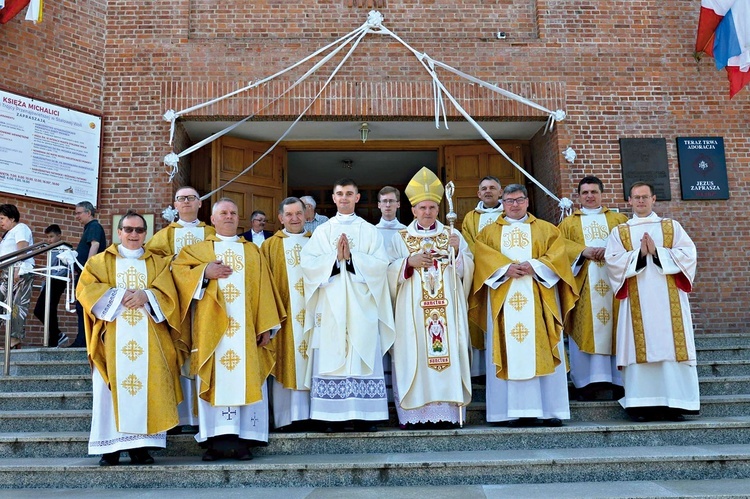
point(167, 243)
point(290, 397)
point(522, 291)
point(651, 263)
point(431, 353)
point(487, 211)
point(348, 318)
point(591, 323)
point(132, 323)
point(237, 308)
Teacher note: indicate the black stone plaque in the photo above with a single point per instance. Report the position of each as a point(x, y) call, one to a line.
point(703, 168)
point(645, 160)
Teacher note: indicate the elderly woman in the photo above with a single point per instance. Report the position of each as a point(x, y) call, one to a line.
point(17, 236)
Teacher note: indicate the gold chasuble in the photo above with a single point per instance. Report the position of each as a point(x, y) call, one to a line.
point(527, 322)
point(135, 356)
point(167, 243)
point(229, 317)
point(282, 252)
point(592, 321)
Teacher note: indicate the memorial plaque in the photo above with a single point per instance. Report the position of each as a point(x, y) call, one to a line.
point(645, 160)
point(703, 168)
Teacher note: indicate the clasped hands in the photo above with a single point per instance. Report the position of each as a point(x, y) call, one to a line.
point(342, 249)
point(648, 246)
point(134, 298)
point(594, 253)
point(518, 270)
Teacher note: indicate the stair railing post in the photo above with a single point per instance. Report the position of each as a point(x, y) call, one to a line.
point(9, 302)
point(47, 297)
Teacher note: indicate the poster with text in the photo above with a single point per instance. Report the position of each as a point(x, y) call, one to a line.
point(703, 168)
point(47, 151)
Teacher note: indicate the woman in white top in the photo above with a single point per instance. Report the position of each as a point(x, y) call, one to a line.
point(17, 236)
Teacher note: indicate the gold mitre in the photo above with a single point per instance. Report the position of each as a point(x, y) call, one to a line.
point(424, 186)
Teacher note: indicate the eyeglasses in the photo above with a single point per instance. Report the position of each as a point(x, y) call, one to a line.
point(388, 201)
point(516, 201)
point(641, 198)
point(138, 230)
point(261, 220)
point(186, 199)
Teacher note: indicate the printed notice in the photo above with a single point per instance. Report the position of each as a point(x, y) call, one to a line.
point(47, 151)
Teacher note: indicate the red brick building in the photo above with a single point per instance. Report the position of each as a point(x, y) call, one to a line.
point(619, 69)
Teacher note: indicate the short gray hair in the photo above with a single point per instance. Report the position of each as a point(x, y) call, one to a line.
point(511, 188)
point(223, 200)
point(308, 200)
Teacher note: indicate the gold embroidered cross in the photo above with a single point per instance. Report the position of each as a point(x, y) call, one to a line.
point(230, 360)
point(132, 384)
point(293, 255)
point(132, 350)
point(301, 317)
point(516, 237)
point(232, 327)
point(132, 316)
point(519, 332)
point(300, 287)
point(187, 239)
point(596, 231)
point(601, 287)
point(518, 301)
point(603, 316)
point(303, 349)
point(234, 260)
point(230, 293)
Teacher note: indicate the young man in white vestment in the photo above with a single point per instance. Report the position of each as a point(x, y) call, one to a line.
point(522, 291)
point(430, 273)
point(167, 243)
point(349, 317)
point(236, 309)
point(389, 201)
point(488, 209)
point(651, 263)
point(132, 320)
point(289, 396)
point(591, 323)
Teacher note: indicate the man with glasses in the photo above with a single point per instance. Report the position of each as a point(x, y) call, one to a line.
point(523, 289)
point(651, 264)
point(132, 322)
point(313, 220)
point(257, 233)
point(389, 201)
point(593, 369)
point(486, 212)
point(167, 243)
point(92, 241)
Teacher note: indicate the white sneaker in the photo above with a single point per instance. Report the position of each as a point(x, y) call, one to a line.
point(62, 340)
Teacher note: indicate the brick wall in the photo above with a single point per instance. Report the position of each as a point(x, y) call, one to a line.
point(622, 68)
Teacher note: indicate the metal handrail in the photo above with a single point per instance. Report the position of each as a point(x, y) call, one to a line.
point(8, 260)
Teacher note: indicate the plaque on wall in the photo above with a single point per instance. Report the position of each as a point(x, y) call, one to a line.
point(645, 160)
point(703, 168)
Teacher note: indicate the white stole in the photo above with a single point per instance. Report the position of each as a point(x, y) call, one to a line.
point(187, 235)
point(292, 248)
point(229, 357)
point(595, 233)
point(518, 309)
point(131, 340)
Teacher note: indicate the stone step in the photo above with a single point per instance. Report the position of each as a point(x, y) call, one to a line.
point(45, 401)
point(45, 383)
point(708, 340)
point(698, 462)
point(26, 420)
point(576, 434)
point(722, 352)
point(737, 367)
point(702, 489)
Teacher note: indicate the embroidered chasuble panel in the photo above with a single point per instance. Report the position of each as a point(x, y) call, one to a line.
point(519, 314)
point(599, 314)
point(185, 236)
point(434, 301)
point(130, 388)
point(486, 219)
point(296, 314)
point(230, 356)
point(663, 236)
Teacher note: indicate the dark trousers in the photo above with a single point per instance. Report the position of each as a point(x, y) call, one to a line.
point(57, 289)
point(80, 340)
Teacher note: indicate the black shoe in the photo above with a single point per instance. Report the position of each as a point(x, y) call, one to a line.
point(140, 456)
point(523, 422)
point(365, 426)
point(674, 415)
point(177, 430)
point(243, 455)
point(552, 422)
point(640, 414)
point(212, 455)
point(110, 459)
point(618, 392)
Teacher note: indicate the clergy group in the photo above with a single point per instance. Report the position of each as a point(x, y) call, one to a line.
point(227, 336)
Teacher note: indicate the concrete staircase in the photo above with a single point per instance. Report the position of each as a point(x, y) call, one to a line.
point(45, 415)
